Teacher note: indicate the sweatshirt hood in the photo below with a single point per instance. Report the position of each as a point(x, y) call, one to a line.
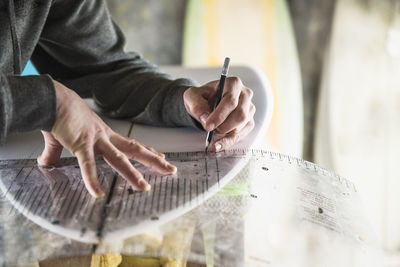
point(14, 38)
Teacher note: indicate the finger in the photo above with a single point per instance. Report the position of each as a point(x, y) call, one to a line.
point(87, 165)
point(229, 102)
point(197, 104)
point(136, 151)
point(241, 115)
point(154, 151)
point(233, 137)
point(119, 162)
point(52, 150)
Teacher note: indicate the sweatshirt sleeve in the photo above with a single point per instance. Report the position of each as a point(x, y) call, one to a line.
point(83, 48)
point(26, 103)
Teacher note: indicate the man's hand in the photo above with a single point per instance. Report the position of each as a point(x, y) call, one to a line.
point(233, 117)
point(85, 135)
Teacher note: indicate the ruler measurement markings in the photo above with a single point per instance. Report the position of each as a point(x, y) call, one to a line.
point(165, 194)
point(19, 193)
point(44, 209)
point(72, 199)
point(171, 194)
point(40, 200)
point(92, 207)
point(159, 194)
point(184, 191)
point(23, 194)
point(36, 195)
point(145, 197)
point(132, 203)
point(153, 194)
point(126, 199)
point(29, 194)
point(75, 211)
point(25, 198)
point(124, 193)
point(203, 188)
point(48, 198)
point(197, 190)
point(92, 201)
point(63, 199)
point(140, 202)
point(102, 178)
point(118, 210)
point(84, 205)
point(13, 181)
point(217, 169)
point(177, 193)
point(105, 210)
point(298, 162)
point(207, 182)
point(21, 188)
point(190, 190)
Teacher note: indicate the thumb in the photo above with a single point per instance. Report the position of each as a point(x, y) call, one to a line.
point(52, 150)
point(197, 106)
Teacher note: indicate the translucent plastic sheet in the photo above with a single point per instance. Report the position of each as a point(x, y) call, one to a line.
point(278, 211)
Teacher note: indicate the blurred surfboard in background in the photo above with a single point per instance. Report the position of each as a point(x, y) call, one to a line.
point(358, 129)
point(259, 34)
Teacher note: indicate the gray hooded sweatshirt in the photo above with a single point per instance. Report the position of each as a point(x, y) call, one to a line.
point(77, 43)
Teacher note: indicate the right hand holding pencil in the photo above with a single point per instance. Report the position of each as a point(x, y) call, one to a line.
point(233, 118)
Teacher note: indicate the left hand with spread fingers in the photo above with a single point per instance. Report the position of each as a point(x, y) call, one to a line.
point(233, 118)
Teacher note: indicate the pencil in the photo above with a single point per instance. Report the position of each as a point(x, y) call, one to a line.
point(218, 96)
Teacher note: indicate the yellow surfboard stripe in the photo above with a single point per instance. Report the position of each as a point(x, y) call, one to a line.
point(269, 20)
point(211, 35)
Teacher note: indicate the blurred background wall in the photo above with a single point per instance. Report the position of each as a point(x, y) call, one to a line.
point(152, 27)
point(339, 88)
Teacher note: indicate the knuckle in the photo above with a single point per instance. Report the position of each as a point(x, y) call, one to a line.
point(155, 161)
point(118, 155)
point(248, 92)
point(221, 131)
point(242, 115)
point(197, 109)
point(140, 149)
point(132, 144)
point(231, 99)
point(219, 119)
point(251, 124)
point(86, 163)
point(235, 79)
point(82, 149)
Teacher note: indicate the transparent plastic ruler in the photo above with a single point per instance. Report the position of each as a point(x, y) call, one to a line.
point(56, 198)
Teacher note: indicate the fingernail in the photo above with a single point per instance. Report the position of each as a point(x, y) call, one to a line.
point(173, 169)
point(218, 147)
point(145, 186)
point(211, 127)
point(99, 193)
point(162, 155)
point(203, 118)
point(39, 160)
